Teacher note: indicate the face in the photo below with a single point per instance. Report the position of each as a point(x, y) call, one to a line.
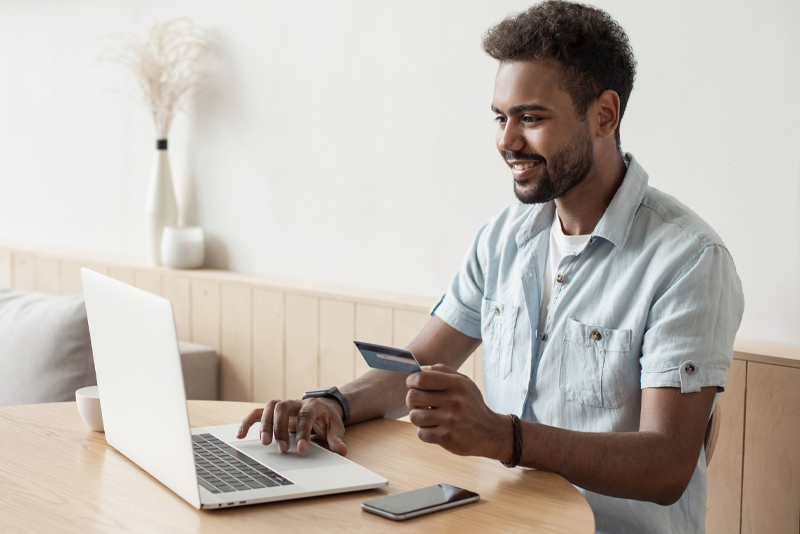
point(548, 148)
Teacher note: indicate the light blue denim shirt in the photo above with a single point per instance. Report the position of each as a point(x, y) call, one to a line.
point(653, 300)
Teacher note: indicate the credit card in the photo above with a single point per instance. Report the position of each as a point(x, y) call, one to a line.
point(388, 358)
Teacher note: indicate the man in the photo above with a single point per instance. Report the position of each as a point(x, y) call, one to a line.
point(606, 308)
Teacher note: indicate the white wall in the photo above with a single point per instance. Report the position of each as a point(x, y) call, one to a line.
point(351, 142)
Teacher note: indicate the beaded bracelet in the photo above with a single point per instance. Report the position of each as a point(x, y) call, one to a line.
point(517, 455)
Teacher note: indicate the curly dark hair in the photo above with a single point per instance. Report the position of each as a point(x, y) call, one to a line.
point(592, 48)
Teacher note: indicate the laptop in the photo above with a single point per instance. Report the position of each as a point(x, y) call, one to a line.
point(140, 380)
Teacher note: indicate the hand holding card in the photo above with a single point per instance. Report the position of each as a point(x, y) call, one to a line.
point(388, 358)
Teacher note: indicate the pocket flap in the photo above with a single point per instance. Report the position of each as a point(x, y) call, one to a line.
point(606, 339)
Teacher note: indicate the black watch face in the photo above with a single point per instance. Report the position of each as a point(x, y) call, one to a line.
point(320, 391)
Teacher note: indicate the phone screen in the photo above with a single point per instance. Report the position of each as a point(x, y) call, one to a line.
point(432, 498)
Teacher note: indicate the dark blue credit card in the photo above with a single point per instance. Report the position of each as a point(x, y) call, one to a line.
point(388, 358)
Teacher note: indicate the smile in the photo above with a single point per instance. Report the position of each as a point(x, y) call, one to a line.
point(523, 166)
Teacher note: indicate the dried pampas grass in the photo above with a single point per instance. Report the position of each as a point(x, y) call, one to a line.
point(166, 65)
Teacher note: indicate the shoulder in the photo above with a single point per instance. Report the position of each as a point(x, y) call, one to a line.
point(674, 221)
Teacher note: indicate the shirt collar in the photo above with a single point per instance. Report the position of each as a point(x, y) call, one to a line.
point(540, 217)
point(615, 225)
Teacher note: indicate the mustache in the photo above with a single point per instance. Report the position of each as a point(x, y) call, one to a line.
point(512, 155)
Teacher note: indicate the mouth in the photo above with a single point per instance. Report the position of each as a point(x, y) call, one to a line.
point(524, 166)
point(522, 170)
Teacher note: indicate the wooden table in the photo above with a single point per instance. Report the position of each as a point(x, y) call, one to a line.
point(56, 475)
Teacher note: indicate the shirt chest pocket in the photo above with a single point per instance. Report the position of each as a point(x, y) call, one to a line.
point(594, 365)
point(498, 322)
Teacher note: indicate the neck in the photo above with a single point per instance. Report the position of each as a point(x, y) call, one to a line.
point(582, 208)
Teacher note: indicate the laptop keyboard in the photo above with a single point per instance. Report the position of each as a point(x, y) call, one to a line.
point(223, 469)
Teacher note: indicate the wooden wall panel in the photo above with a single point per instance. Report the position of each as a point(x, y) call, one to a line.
point(123, 274)
point(71, 275)
point(771, 479)
point(302, 344)
point(236, 366)
point(205, 313)
point(268, 345)
point(71, 278)
point(178, 290)
point(407, 324)
point(48, 276)
point(149, 281)
point(374, 324)
point(724, 503)
point(6, 273)
point(337, 329)
point(24, 271)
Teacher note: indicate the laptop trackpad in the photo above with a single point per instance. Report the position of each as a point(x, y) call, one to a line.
point(292, 460)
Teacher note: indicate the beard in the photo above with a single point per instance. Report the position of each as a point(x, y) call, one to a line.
point(565, 170)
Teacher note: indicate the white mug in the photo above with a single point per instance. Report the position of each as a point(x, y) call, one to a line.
point(88, 400)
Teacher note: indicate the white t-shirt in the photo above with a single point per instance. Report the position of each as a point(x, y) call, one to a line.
point(560, 247)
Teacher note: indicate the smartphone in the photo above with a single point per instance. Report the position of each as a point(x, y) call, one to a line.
point(419, 502)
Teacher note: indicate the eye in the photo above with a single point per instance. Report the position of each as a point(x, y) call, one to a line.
point(530, 119)
point(500, 119)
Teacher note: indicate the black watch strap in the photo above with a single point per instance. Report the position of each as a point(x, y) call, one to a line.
point(334, 393)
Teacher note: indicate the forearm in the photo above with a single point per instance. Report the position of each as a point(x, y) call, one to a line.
point(383, 393)
point(629, 465)
point(376, 394)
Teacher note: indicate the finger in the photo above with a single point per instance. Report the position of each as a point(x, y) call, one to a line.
point(336, 438)
point(433, 380)
point(420, 398)
point(424, 418)
point(429, 434)
point(283, 411)
point(248, 421)
point(266, 423)
point(305, 420)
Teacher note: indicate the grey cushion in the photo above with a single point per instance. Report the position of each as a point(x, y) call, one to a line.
point(45, 350)
point(200, 371)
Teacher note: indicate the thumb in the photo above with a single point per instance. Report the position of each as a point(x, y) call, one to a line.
point(440, 367)
point(336, 439)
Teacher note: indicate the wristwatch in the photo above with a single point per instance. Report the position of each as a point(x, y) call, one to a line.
point(334, 393)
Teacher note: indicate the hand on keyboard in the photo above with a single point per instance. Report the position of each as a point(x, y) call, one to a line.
point(322, 415)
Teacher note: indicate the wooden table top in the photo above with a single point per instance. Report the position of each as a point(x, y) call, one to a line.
point(56, 475)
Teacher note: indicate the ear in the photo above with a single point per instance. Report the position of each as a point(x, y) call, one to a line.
point(606, 109)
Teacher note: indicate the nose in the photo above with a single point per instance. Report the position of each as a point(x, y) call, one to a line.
point(509, 138)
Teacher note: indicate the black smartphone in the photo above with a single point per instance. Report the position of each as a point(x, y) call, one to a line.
point(419, 502)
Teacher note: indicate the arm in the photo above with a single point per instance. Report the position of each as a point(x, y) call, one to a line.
point(383, 393)
point(654, 464)
point(375, 394)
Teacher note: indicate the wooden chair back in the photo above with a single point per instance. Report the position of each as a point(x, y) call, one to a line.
point(712, 432)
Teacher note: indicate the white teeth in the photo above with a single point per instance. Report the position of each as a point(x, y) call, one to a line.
point(523, 166)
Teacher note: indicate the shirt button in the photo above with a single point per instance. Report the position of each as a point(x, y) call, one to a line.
point(497, 311)
point(597, 336)
point(543, 336)
point(689, 368)
point(560, 278)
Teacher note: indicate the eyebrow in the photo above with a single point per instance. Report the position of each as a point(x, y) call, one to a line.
point(522, 107)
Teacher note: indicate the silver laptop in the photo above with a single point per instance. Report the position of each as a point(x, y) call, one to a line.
point(140, 380)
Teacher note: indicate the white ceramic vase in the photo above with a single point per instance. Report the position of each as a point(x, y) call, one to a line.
point(183, 248)
point(162, 208)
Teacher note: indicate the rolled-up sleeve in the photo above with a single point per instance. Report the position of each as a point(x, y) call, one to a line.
point(688, 342)
point(460, 307)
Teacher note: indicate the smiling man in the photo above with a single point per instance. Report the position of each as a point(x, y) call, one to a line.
point(607, 309)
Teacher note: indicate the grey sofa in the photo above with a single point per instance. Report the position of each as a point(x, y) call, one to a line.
point(46, 353)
